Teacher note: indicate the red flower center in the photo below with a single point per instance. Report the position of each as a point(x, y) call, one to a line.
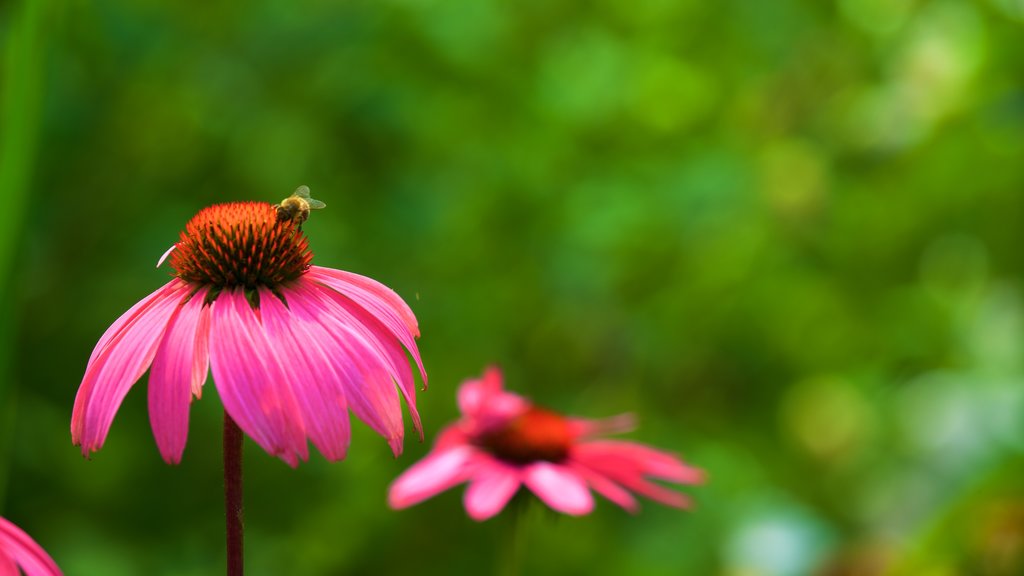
point(537, 434)
point(240, 244)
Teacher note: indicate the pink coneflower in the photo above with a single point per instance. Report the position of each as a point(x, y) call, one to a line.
point(17, 549)
point(503, 442)
point(292, 347)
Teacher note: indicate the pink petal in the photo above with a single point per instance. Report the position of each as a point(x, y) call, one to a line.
point(297, 335)
point(627, 464)
point(475, 392)
point(493, 484)
point(18, 546)
point(249, 378)
point(606, 488)
point(450, 437)
point(119, 360)
point(559, 487)
point(639, 459)
point(437, 472)
point(378, 300)
point(485, 405)
point(368, 386)
point(384, 345)
point(8, 567)
point(179, 368)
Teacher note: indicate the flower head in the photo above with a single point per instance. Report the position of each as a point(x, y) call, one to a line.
point(503, 442)
point(292, 347)
point(17, 549)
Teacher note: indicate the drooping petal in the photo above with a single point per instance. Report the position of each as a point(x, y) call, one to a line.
point(606, 488)
point(250, 381)
point(379, 338)
point(628, 464)
point(638, 459)
point(129, 317)
point(24, 551)
point(380, 301)
point(308, 367)
point(493, 484)
point(558, 487)
point(439, 471)
point(119, 360)
point(368, 386)
point(179, 368)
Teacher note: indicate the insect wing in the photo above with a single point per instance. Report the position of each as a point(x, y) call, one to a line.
point(315, 204)
point(302, 192)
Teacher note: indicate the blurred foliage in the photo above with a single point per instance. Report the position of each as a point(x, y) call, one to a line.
point(785, 234)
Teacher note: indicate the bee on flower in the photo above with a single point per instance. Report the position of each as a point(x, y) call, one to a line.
point(292, 347)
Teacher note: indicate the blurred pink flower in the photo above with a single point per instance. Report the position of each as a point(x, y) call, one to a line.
point(18, 550)
point(292, 347)
point(503, 441)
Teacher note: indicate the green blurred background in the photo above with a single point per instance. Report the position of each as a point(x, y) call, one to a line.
point(786, 235)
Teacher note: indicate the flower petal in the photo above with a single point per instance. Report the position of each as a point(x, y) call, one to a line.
point(378, 300)
point(436, 473)
point(118, 361)
point(449, 437)
point(297, 335)
point(18, 546)
point(639, 459)
point(384, 344)
point(606, 487)
point(627, 464)
point(559, 487)
point(368, 386)
point(485, 405)
point(179, 368)
point(493, 484)
point(250, 381)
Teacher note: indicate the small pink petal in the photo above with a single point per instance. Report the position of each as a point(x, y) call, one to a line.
point(166, 254)
point(485, 405)
point(119, 360)
point(559, 487)
point(432, 475)
point(251, 383)
point(179, 367)
point(19, 547)
point(317, 387)
point(493, 484)
point(474, 393)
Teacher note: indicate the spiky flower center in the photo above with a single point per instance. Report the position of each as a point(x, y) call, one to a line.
point(240, 244)
point(536, 434)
